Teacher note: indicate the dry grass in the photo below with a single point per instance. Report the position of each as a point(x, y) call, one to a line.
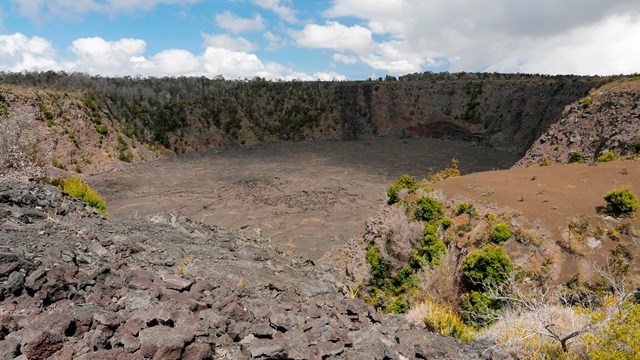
point(402, 237)
point(441, 318)
point(440, 282)
point(521, 333)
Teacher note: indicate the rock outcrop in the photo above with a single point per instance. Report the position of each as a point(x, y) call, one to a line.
point(608, 119)
point(77, 285)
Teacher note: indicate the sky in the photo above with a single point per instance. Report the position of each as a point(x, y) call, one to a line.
point(315, 39)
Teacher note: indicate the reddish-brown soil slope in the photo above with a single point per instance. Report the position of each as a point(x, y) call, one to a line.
point(549, 198)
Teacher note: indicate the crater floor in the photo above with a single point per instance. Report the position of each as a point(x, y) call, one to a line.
point(308, 196)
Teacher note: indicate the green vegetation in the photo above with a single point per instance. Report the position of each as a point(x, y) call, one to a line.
point(428, 209)
point(403, 182)
point(478, 309)
point(102, 129)
point(379, 267)
point(500, 233)
point(80, 190)
point(465, 208)
point(576, 157)
point(123, 154)
point(55, 162)
point(448, 172)
point(429, 252)
point(585, 102)
point(621, 202)
point(488, 266)
point(619, 338)
point(607, 157)
point(387, 291)
point(47, 114)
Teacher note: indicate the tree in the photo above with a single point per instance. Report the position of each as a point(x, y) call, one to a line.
point(428, 209)
point(540, 319)
point(490, 265)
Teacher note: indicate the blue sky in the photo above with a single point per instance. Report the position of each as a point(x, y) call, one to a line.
point(313, 39)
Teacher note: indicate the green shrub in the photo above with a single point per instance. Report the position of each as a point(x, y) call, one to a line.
point(635, 148)
point(403, 280)
point(585, 102)
point(478, 309)
point(488, 266)
point(398, 306)
point(576, 157)
point(446, 223)
point(80, 190)
point(465, 208)
point(430, 251)
point(102, 129)
point(607, 157)
point(379, 267)
point(125, 157)
point(500, 233)
point(621, 202)
point(428, 209)
point(403, 182)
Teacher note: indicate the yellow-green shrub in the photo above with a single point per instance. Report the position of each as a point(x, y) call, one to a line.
point(619, 338)
point(80, 190)
point(442, 318)
point(607, 157)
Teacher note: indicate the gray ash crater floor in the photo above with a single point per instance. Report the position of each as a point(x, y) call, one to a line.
point(305, 196)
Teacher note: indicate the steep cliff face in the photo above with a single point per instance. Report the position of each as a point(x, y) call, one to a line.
point(506, 113)
point(93, 123)
point(607, 120)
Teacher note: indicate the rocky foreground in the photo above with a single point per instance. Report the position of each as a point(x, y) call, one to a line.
point(75, 284)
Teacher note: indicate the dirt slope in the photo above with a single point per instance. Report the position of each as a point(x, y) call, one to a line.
point(549, 198)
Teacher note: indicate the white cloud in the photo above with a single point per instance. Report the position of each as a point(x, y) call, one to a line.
point(322, 76)
point(176, 62)
point(228, 42)
point(20, 53)
point(235, 24)
point(98, 56)
point(616, 50)
point(386, 16)
point(335, 36)
point(238, 64)
point(395, 57)
point(547, 36)
point(286, 13)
